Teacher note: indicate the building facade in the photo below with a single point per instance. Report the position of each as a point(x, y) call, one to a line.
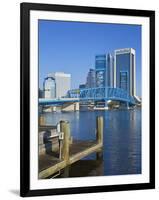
point(91, 79)
point(49, 88)
point(63, 83)
point(82, 86)
point(110, 71)
point(125, 70)
point(100, 70)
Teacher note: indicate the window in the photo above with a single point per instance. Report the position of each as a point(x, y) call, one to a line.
point(124, 80)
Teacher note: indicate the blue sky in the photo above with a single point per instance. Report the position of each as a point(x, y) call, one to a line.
point(71, 47)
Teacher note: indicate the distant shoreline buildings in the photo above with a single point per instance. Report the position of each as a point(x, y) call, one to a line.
point(116, 70)
point(56, 85)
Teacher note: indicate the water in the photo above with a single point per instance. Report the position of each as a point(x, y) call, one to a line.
point(122, 141)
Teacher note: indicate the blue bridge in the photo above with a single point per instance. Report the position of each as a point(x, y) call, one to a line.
point(92, 94)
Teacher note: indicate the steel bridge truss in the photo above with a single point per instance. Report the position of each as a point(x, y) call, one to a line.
point(102, 93)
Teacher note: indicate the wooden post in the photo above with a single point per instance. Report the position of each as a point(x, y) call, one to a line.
point(41, 121)
point(99, 155)
point(65, 173)
point(65, 128)
point(99, 129)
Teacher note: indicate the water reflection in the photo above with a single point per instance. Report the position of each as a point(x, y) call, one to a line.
point(81, 168)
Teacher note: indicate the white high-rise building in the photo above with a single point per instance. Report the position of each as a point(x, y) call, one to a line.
point(49, 88)
point(110, 71)
point(63, 83)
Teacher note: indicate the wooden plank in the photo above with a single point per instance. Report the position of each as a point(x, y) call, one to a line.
point(58, 166)
point(46, 161)
point(51, 170)
point(84, 153)
point(46, 127)
point(80, 145)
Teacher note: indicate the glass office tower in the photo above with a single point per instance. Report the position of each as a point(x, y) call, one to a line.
point(100, 67)
point(124, 71)
point(91, 79)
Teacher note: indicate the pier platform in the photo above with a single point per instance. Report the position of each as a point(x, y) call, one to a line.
point(67, 152)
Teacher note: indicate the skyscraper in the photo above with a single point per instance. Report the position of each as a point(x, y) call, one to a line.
point(49, 88)
point(100, 67)
point(82, 86)
point(91, 79)
point(125, 73)
point(110, 71)
point(63, 83)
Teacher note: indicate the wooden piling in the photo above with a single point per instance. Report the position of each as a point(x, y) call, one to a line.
point(65, 128)
point(99, 130)
point(41, 121)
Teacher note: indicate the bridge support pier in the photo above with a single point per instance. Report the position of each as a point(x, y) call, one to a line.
point(70, 107)
point(106, 104)
point(76, 106)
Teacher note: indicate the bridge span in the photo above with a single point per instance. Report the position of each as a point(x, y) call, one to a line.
point(92, 94)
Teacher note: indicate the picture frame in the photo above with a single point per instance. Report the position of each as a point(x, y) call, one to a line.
point(30, 14)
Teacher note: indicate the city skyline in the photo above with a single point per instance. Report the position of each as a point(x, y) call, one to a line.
point(49, 56)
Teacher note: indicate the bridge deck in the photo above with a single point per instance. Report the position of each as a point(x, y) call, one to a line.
point(92, 94)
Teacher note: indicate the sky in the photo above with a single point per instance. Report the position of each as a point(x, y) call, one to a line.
point(71, 47)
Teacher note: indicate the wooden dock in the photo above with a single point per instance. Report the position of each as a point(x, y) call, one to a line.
point(70, 152)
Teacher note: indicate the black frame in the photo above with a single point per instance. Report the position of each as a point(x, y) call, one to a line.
point(25, 9)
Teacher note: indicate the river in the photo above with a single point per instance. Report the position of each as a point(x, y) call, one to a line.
point(122, 141)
